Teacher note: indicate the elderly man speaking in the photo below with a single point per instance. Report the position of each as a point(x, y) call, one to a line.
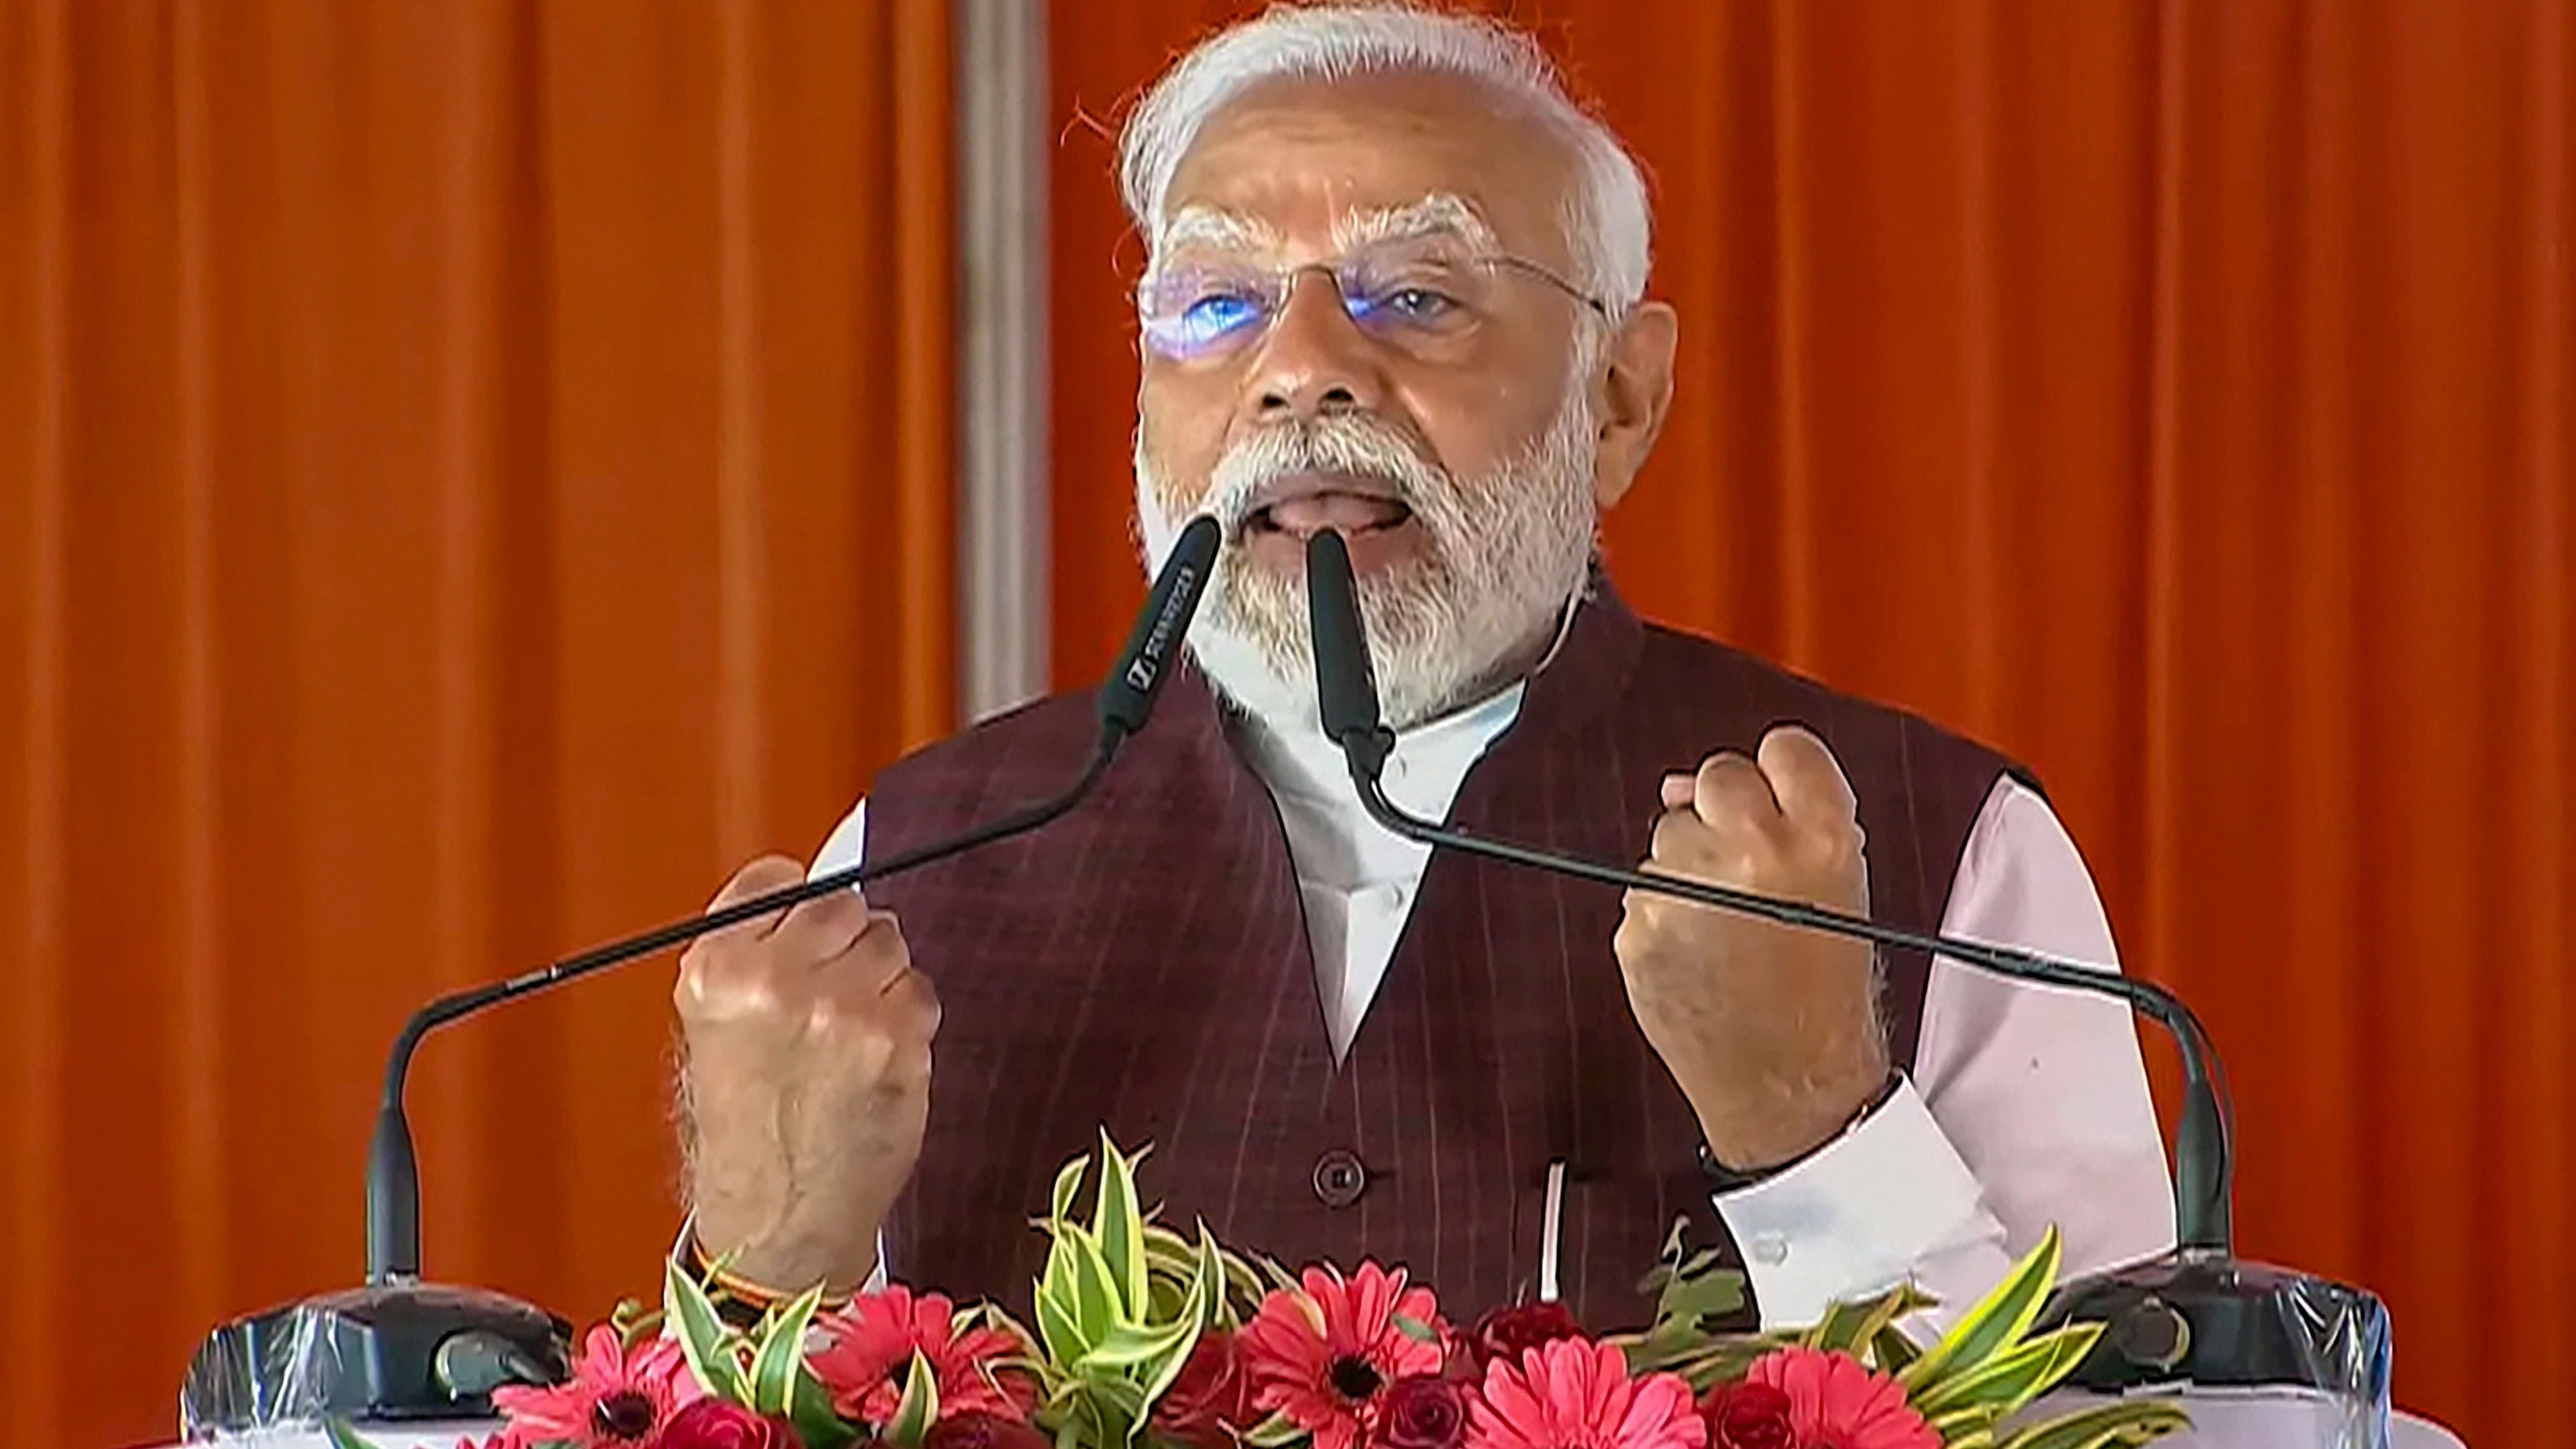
point(1396, 288)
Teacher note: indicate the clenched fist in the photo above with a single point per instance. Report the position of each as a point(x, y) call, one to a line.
point(807, 1082)
point(1771, 1031)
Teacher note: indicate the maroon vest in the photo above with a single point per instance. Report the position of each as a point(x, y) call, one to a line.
point(1142, 964)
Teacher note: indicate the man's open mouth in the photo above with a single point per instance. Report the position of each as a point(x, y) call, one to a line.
point(1307, 505)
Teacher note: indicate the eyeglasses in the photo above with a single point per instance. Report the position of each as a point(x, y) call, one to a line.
point(1427, 297)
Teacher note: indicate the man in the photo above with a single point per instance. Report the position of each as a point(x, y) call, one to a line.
point(1395, 288)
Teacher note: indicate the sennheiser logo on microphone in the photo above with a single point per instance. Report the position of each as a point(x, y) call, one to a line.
point(1149, 660)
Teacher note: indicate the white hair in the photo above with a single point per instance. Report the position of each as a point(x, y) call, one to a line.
point(1608, 226)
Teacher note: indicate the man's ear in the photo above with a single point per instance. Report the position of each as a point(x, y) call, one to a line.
point(1631, 397)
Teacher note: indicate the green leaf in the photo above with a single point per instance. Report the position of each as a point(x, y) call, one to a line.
point(780, 1360)
point(1208, 1282)
point(818, 1424)
point(705, 1342)
point(1157, 1374)
point(1095, 1294)
point(1129, 1345)
point(1841, 1330)
point(1414, 1328)
point(342, 1436)
point(2122, 1425)
point(1060, 1330)
point(2012, 1378)
point(1119, 1227)
point(919, 1407)
point(1871, 1338)
point(1997, 1322)
point(1068, 1181)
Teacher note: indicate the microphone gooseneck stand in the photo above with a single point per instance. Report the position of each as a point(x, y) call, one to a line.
point(399, 1348)
point(2197, 1315)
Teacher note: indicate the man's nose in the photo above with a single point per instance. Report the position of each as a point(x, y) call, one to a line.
point(1316, 362)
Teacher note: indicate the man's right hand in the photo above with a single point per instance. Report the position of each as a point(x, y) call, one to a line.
point(807, 1082)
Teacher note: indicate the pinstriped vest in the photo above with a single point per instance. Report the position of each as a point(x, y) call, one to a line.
point(1142, 964)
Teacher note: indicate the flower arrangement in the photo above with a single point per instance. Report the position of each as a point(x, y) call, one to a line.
point(1148, 1338)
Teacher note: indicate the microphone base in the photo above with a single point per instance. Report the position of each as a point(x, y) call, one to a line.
point(371, 1353)
point(2207, 1319)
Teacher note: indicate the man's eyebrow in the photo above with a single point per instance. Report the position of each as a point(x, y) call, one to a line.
point(1203, 224)
point(1441, 213)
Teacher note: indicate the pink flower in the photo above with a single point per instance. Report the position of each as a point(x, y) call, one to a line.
point(617, 1396)
point(1835, 1402)
point(723, 1424)
point(1322, 1356)
point(1570, 1394)
point(871, 1347)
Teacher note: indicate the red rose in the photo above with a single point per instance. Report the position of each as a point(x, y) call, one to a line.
point(713, 1423)
point(1424, 1411)
point(1747, 1416)
point(1212, 1395)
point(1504, 1332)
point(976, 1429)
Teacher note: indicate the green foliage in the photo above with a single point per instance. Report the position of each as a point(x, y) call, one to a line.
point(1693, 1291)
point(919, 1407)
point(2109, 1426)
point(712, 1348)
point(1120, 1304)
point(1983, 1371)
point(762, 1367)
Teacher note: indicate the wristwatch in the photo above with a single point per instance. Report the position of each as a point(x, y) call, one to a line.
point(1725, 1179)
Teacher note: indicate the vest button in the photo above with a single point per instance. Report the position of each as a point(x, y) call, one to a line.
point(1339, 1179)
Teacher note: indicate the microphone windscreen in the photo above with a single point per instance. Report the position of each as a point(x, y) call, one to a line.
point(1127, 698)
point(1345, 689)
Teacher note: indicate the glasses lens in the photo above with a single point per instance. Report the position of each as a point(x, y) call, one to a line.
point(1193, 309)
point(1419, 289)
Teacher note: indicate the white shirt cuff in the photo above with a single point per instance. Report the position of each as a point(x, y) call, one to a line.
point(1854, 1219)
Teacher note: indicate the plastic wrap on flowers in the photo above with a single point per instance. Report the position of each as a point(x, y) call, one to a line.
point(404, 1351)
point(2190, 1326)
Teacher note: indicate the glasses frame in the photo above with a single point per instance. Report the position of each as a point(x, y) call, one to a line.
point(1286, 279)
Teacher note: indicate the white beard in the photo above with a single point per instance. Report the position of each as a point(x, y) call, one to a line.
point(1507, 552)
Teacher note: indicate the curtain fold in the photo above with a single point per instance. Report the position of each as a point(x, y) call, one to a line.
point(2179, 396)
point(470, 476)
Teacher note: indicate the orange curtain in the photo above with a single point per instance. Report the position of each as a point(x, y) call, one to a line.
point(2182, 396)
point(470, 475)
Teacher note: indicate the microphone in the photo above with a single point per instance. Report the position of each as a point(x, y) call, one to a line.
point(2197, 1314)
point(403, 1349)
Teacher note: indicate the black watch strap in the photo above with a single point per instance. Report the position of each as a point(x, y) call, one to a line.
point(1724, 1179)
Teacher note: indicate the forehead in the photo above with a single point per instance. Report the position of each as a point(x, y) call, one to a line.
point(1300, 163)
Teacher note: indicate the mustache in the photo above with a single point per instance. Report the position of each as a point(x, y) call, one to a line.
point(1361, 446)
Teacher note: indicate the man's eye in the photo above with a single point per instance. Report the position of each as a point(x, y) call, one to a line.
point(1214, 314)
point(1409, 304)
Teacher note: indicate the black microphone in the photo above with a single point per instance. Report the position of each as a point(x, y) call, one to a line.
point(2198, 1309)
point(404, 1342)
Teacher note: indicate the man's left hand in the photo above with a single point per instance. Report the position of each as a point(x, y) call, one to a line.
point(1772, 1031)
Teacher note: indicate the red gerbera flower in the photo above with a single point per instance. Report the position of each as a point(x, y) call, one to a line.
point(1570, 1394)
point(617, 1396)
point(1837, 1402)
point(1322, 1356)
point(871, 1347)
